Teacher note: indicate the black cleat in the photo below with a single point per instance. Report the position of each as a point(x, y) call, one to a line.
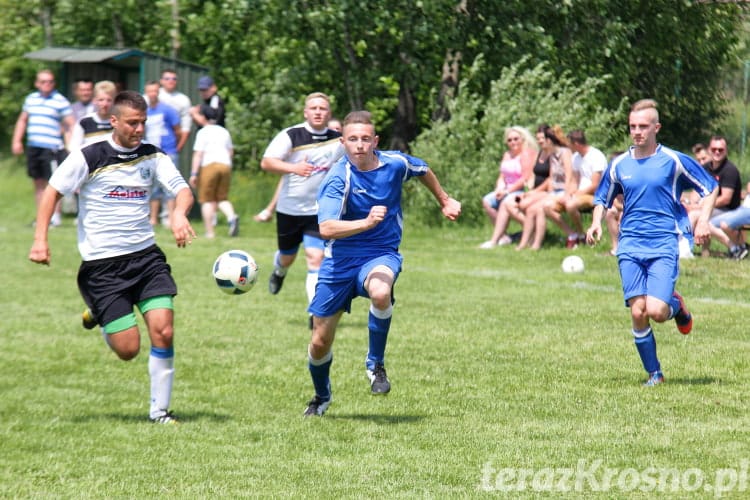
point(317, 406)
point(379, 383)
point(275, 282)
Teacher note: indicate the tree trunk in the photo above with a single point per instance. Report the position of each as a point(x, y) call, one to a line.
point(448, 84)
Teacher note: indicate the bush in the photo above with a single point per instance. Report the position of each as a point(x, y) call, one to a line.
point(465, 150)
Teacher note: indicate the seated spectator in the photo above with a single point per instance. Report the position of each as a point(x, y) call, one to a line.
point(588, 165)
point(730, 184)
point(561, 182)
point(516, 168)
point(727, 228)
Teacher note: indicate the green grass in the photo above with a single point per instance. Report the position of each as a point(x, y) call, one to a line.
point(497, 359)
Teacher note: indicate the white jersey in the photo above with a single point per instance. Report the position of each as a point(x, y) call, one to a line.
point(114, 187)
point(299, 194)
point(215, 143)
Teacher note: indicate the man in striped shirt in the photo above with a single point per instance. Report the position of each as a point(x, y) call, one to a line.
point(45, 115)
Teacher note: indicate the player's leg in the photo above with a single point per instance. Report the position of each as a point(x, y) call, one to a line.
point(314, 247)
point(289, 235)
point(378, 277)
point(663, 302)
point(634, 284)
point(158, 314)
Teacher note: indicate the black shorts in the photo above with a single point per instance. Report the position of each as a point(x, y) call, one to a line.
point(41, 162)
point(291, 229)
point(111, 287)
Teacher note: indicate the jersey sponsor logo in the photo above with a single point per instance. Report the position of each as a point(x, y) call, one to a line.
point(127, 157)
point(121, 193)
point(360, 191)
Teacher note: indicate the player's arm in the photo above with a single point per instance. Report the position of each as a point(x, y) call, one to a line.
point(39, 252)
point(451, 208)
point(702, 230)
point(333, 229)
point(181, 229)
point(279, 166)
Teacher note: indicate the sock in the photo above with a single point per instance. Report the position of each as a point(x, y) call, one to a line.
point(378, 324)
point(320, 370)
point(646, 345)
point(161, 371)
point(277, 267)
point(674, 307)
point(310, 282)
point(227, 209)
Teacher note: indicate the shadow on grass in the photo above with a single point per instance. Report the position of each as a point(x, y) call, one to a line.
point(378, 419)
point(184, 417)
point(694, 381)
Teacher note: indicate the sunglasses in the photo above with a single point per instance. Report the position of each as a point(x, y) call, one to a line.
point(513, 139)
point(46, 81)
point(717, 150)
point(169, 78)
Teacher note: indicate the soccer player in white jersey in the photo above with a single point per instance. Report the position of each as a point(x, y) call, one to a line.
point(302, 154)
point(651, 178)
point(360, 217)
point(122, 265)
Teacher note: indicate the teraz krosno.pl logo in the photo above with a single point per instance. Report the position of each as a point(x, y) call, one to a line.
point(592, 475)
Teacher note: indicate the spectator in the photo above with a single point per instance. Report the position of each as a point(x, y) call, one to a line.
point(83, 88)
point(210, 98)
point(515, 171)
point(47, 120)
point(561, 183)
point(95, 126)
point(211, 172)
point(700, 153)
point(163, 130)
point(727, 228)
point(730, 185)
point(588, 164)
point(169, 95)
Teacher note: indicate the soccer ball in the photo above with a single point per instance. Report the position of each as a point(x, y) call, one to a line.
point(572, 264)
point(235, 272)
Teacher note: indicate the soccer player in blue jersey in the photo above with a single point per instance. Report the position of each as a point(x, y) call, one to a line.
point(651, 178)
point(359, 213)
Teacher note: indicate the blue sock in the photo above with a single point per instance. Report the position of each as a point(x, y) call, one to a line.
point(646, 345)
point(319, 372)
point(378, 324)
point(674, 307)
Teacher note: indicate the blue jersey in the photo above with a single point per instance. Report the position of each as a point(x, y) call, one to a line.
point(348, 194)
point(652, 216)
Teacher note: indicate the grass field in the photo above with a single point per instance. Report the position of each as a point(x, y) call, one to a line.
point(509, 378)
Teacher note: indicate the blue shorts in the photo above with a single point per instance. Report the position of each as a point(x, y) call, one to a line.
point(654, 276)
point(492, 200)
point(734, 219)
point(341, 280)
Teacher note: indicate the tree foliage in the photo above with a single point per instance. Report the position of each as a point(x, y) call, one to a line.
point(401, 59)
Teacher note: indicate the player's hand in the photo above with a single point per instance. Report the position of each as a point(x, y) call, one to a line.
point(702, 233)
point(39, 253)
point(376, 215)
point(182, 230)
point(451, 209)
point(304, 168)
point(594, 234)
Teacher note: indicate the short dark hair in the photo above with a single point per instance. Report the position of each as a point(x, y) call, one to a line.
point(578, 137)
point(361, 116)
point(129, 99)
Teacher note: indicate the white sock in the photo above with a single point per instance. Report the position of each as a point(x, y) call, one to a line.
point(227, 209)
point(277, 267)
point(310, 282)
point(161, 372)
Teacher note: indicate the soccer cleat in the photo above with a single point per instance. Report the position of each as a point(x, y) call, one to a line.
point(654, 378)
point(234, 226)
point(317, 406)
point(379, 383)
point(683, 318)
point(166, 418)
point(88, 320)
point(274, 283)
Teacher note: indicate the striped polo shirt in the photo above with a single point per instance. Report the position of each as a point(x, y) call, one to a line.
point(44, 126)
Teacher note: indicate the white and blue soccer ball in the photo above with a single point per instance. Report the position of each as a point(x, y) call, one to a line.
point(235, 272)
point(572, 264)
